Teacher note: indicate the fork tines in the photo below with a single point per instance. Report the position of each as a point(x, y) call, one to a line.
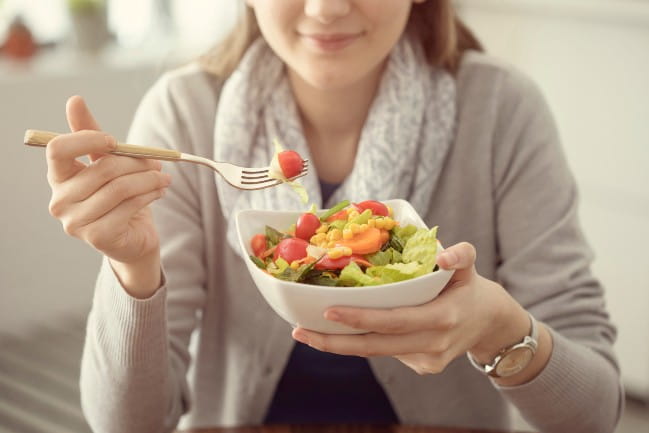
point(259, 176)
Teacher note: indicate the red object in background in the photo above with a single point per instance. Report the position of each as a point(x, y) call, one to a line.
point(20, 43)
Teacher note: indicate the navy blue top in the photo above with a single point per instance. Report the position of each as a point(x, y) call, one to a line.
point(320, 387)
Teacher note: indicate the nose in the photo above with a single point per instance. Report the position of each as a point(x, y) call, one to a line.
point(326, 11)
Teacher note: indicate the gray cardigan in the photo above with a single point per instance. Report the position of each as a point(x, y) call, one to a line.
point(206, 348)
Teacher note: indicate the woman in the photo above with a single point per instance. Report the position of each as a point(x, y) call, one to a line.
point(386, 102)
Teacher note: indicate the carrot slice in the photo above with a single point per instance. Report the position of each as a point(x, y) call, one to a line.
point(366, 242)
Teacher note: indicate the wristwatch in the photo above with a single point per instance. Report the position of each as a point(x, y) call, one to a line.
point(512, 359)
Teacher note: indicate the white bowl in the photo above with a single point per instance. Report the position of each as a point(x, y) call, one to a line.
point(304, 304)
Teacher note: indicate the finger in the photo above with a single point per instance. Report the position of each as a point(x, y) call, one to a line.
point(91, 178)
point(79, 116)
point(117, 191)
point(459, 256)
point(62, 152)
point(102, 232)
point(372, 344)
point(395, 321)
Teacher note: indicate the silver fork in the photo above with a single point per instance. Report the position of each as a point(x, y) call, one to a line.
point(247, 178)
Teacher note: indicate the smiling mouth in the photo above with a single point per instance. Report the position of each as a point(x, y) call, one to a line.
point(330, 42)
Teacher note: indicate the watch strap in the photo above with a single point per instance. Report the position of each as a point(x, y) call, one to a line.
point(530, 342)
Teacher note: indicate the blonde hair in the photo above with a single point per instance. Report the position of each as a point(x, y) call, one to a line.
point(444, 38)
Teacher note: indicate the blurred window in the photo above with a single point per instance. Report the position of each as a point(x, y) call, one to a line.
point(192, 23)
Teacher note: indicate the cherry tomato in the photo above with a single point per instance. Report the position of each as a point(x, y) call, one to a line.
point(376, 207)
point(340, 215)
point(327, 263)
point(306, 226)
point(258, 244)
point(290, 162)
point(291, 249)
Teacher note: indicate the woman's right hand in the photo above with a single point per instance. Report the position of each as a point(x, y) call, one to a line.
point(106, 202)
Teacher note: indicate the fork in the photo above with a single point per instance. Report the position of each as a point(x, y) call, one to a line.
point(247, 178)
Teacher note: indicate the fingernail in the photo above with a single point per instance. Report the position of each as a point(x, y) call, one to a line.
point(449, 257)
point(166, 178)
point(299, 336)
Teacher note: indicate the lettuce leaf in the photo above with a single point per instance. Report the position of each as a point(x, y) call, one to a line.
point(421, 247)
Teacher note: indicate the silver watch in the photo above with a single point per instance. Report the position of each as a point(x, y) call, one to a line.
point(512, 359)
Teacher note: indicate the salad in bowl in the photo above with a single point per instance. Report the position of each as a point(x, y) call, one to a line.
point(370, 254)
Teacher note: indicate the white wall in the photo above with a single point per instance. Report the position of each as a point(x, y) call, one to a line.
point(44, 274)
point(591, 59)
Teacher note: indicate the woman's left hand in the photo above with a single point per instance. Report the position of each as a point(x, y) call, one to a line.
point(471, 314)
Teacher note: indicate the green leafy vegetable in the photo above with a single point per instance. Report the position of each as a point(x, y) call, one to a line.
point(257, 261)
point(421, 247)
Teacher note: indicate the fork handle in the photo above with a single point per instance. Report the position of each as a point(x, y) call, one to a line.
point(42, 138)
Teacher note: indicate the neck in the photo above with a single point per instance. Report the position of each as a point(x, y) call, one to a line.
point(334, 117)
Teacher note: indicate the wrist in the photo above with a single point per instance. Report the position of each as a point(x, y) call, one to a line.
point(140, 279)
point(510, 324)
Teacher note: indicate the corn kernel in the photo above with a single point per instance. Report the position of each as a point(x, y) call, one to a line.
point(390, 213)
point(331, 244)
point(389, 223)
point(371, 222)
point(336, 234)
point(335, 253)
point(353, 214)
point(323, 244)
point(355, 228)
point(295, 264)
point(346, 251)
point(380, 223)
point(364, 227)
point(323, 228)
point(347, 234)
point(318, 238)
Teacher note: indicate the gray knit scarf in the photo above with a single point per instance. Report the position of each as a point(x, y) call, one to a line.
point(402, 146)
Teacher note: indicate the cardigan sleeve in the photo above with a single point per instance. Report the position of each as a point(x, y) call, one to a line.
point(544, 262)
point(136, 357)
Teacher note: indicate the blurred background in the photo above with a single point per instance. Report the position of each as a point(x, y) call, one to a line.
point(590, 58)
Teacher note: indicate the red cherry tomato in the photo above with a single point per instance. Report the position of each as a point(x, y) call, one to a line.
point(306, 226)
point(291, 249)
point(258, 244)
point(376, 207)
point(327, 263)
point(340, 215)
point(290, 162)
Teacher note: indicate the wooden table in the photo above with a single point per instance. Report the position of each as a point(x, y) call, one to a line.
point(356, 428)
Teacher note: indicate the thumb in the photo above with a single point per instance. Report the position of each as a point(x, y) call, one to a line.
point(79, 116)
point(461, 258)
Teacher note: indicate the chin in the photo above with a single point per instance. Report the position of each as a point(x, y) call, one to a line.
point(322, 80)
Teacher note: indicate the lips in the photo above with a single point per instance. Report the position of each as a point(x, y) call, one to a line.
point(329, 42)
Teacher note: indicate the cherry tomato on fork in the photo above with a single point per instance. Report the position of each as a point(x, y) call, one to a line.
point(306, 226)
point(291, 249)
point(290, 162)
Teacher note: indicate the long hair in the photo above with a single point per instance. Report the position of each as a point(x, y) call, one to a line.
point(444, 38)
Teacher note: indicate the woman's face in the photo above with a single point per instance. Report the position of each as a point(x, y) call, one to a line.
point(332, 43)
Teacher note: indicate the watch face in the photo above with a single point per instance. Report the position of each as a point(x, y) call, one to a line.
point(514, 361)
